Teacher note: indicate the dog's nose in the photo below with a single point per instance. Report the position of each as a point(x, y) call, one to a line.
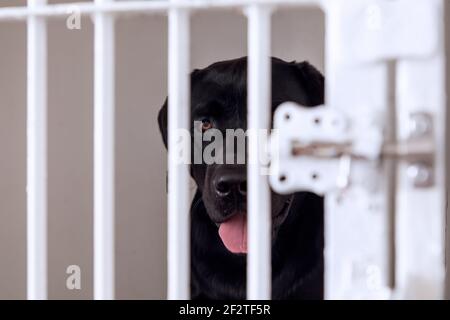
point(229, 183)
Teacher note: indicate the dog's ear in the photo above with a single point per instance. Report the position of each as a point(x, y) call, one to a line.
point(162, 122)
point(162, 116)
point(313, 81)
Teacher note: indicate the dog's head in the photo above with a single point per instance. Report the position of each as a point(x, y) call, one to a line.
point(218, 104)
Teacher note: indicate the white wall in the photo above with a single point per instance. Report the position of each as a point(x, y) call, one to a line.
point(141, 88)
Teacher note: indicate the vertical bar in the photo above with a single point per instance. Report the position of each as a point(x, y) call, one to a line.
point(447, 142)
point(259, 92)
point(104, 156)
point(37, 156)
point(357, 259)
point(421, 212)
point(390, 170)
point(178, 184)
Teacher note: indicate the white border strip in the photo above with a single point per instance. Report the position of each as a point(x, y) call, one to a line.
point(37, 156)
point(258, 202)
point(142, 7)
point(178, 184)
point(104, 156)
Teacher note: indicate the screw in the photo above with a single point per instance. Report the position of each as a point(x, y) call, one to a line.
point(420, 175)
point(421, 124)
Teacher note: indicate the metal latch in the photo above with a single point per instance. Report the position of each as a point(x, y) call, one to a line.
point(328, 146)
point(418, 148)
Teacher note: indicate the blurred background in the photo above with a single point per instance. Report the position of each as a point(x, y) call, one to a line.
point(141, 87)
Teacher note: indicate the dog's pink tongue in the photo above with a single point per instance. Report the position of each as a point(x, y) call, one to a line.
point(234, 233)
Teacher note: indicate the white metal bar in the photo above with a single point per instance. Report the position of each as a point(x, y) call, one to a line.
point(421, 225)
point(104, 156)
point(37, 156)
point(178, 257)
point(356, 219)
point(421, 213)
point(150, 7)
point(259, 91)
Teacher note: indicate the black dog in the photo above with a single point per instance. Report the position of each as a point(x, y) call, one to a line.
point(218, 212)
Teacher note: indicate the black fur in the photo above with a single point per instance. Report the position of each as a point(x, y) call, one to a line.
point(219, 92)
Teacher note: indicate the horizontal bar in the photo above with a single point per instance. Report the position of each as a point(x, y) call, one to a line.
point(104, 157)
point(37, 156)
point(178, 257)
point(144, 7)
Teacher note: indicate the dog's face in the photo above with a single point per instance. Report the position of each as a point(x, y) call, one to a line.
point(219, 103)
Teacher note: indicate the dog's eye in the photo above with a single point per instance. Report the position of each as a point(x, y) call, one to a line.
point(206, 124)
